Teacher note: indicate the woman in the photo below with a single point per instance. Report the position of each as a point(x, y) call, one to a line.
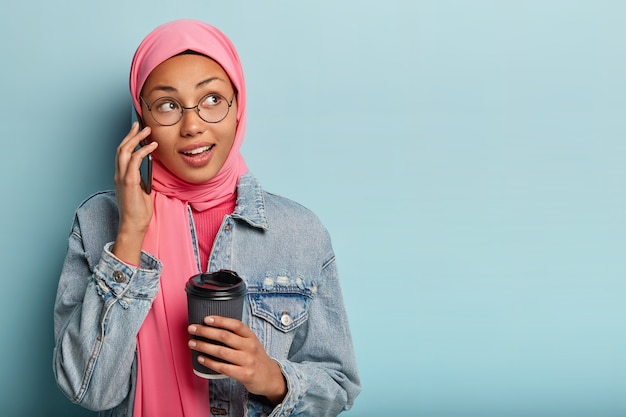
point(122, 339)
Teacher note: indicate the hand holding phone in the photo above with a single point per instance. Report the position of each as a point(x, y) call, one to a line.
point(135, 206)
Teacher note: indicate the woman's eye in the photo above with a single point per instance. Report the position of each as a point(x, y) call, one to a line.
point(166, 106)
point(211, 100)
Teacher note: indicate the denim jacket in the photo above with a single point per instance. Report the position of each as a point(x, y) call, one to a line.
point(294, 305)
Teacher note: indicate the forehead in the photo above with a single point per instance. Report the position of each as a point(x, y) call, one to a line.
point(184, 72)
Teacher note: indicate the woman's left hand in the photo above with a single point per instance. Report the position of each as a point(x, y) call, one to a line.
point(249, 363)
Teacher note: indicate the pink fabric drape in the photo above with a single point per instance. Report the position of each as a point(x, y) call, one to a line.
point(166, 385)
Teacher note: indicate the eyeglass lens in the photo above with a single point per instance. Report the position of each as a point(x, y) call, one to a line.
point(168, 111)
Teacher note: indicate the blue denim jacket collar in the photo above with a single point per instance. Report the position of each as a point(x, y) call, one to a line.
point(250, 202)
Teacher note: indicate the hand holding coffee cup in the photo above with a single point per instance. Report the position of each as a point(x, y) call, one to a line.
point(213, 294)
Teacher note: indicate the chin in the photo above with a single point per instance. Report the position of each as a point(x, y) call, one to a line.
point(197, 180)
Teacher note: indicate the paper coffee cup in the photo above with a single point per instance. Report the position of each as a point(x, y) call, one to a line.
point(213, 294)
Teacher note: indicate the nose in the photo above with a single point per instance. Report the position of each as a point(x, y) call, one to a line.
point(190, 123)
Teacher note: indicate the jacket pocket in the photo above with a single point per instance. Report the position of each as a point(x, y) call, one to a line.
point(285, 308)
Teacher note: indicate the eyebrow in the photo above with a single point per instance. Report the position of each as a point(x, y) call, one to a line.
point(170, 89)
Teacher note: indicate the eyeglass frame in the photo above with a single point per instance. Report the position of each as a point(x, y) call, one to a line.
point(183, 108)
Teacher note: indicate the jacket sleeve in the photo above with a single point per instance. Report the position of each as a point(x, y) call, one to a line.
point(100, 305)
point(322, 377)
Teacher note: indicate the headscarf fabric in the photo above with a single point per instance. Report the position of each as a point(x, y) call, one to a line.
point(166, 384)
point(163, 43)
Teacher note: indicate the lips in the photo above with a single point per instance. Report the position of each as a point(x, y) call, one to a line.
point(198, 155)
point(197, 151)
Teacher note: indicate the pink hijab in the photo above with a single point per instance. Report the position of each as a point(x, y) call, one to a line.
point(166, 384)
point(163, 43)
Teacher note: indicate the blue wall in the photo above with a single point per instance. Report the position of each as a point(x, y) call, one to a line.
point(468, 158)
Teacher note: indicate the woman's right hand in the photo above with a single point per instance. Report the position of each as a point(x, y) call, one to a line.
point(134, 204)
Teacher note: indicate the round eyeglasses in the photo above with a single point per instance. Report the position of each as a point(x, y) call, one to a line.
point(168, 111)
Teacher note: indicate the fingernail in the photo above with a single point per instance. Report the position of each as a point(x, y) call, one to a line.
point(192, 329)
point(209, 320)
point(192, 343)
point(200, 359)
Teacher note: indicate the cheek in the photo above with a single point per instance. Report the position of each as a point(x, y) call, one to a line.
point(164, 152)
point(230, 132)
point(162, 137)
point(229, 145)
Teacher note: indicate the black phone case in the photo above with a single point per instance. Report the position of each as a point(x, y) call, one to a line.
point(145, 169)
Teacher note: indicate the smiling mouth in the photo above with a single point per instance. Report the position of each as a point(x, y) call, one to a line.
point(198, 151)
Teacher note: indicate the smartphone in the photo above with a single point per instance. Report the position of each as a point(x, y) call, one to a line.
point(145, 169)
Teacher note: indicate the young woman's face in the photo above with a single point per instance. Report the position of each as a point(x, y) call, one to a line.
point(192, 149)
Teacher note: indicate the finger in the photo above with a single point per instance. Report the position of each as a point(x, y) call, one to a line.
point(223, 336)
point(129, 156)
point(128, 145)
point(133, 165)
point(143, 151)
point(229, 368)
point(245, 366)
point(135, 130)
point(227, 323)
point(221, 351)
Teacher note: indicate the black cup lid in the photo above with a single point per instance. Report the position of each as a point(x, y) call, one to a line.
point(216, 284)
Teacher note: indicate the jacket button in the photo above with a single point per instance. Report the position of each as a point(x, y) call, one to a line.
point(285, 319)
point(119, 277)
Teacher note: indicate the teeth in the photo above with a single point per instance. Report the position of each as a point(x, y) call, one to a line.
point(199, 150)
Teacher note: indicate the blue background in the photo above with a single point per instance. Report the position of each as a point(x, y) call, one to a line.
point(466, 156)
